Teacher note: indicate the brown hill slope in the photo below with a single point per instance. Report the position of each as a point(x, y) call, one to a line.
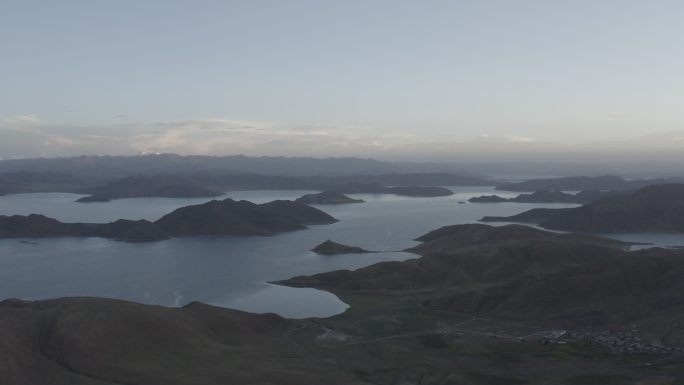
point(100, 341)
point(523, 274)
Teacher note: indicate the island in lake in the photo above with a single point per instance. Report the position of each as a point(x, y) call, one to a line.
point(102, 179)
point(327, 198)
point(333, 248)
point(192, 186)
point(226, 217)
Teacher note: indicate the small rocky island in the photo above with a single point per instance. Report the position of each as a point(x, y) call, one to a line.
point(226, 217)
point(332, 248)
point(488, 199)
point(327, 198)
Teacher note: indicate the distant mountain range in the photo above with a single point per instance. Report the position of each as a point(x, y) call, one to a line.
point(27, 181)
point(111, 167)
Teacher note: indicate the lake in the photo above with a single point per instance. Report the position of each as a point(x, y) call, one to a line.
point(221, 270)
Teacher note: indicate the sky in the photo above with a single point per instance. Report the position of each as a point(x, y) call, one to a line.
point(390, 79)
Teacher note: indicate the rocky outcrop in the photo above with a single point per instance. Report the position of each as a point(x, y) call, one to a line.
point(332, 248)
point(327, 198)
point(230, 217)
point(488, 199)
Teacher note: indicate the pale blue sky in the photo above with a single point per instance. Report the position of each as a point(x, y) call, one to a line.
point(262, 77)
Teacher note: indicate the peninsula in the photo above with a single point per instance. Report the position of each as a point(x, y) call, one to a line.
point(545, 196)
point(579, 183)
point(658, 208)
point(226, 217)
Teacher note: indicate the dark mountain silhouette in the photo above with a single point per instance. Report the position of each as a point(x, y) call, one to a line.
point(544, 196)
point(465, 254)
point(657, 208)
point(333, 248)
point(298, 212)
point(139, 186)
point(103, 341)
point(327, 198)
point(39, 226)
point(421, 191)
point(210, 185)
point(227, 217)
point(579, 183)
point(104, 178)
point(29, 182)
point(488, 199)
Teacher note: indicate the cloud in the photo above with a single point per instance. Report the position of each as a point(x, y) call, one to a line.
point(671, 137)
point(30, 136)
point(507, 139)
point(23, 120)
point(201, 136)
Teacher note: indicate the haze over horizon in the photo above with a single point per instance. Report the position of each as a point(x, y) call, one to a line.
point(399, 80)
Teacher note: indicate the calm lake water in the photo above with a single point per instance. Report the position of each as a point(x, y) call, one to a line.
point(224, 271)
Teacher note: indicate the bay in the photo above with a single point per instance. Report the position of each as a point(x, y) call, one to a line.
point(221, 270)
